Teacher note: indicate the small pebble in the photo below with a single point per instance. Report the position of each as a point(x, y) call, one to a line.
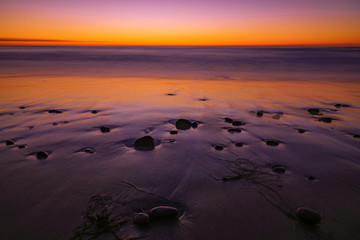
point(142, 219)
point(203, 99)
point(237, 123)
point(54, 111)
point(234, 130)
point(183, 124)
point(146, 143)
point(219, 147)
point(94, 111)
point(228, 120)
point(301, 130)
point(259, 114)
point(239, 144)
point(22, 107)
point(356, 135)
point(325, 119)
point(278, 169)
point(42, 155)
point(21, 146)
point(162, 212)
point(173, 132)
point(308, 215)
point(55, 124)
point(89, 150)
point(30, 127)
point(272, 143)
point(171, 94)
point(10, 142)
point(311, 178)
point(313, 111)
point(194, 125)
point(104, 129)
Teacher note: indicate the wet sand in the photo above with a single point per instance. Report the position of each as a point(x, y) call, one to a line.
point(225, 184)
point(252, 153)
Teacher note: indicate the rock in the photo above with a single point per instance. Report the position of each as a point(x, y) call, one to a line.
point(94, 111)
point(21, 146)
point(228, 120)
point(55, 111)
point(356, 135)
point(313, 111)
point(89, 150)
point(338, 105)
point(277, 117)
point(183, 124)
point(237, 123)
point(308, 215)
point(42, 155)
point(311, 178)
point(272, 143)
point(325, 119)
point(259, 114)
point(301, 130)
point(9, 142)
point(104, 129)
point(142, 219)
point(30, 127)
point(278, 169)
point(203, 99)
point(162, 212)
point(194, 125)
point(171, 94)
point(174, 132)
point(146, 143)
point(234, 130)
point(239, 144)
point(22, 107)
point(55, 124)
point(219, 147)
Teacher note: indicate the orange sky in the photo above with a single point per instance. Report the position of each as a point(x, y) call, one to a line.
point(159, 22)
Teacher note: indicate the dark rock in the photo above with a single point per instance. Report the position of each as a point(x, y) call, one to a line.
point(162, 212)
point(30, 127)
point(94, 111)
point(55, 111)
point(21, 146)
point(338, 105)
point(234, 130)
point(325, 119)
point(194, 125)
point(277, 117)
point(173, 132)
point(311, 178)
point(203, 99)
point(42, 155)
point(171, 94)
point(308, 215)
point(89, 150)
point(237, 123)
point(228, 120)
point(10, 142)
point(272, 143)
point(239, 144)
point(104, 129)
point(142, 219)
point(55, 124)
point(278, 169)
point(301, 131)
point(356, 135)
point(146, 143)
point(259, 114)
point(313, 111)
point(219, 147)
point(22, 107)
point(183, 124)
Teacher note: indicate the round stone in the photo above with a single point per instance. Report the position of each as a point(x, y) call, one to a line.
point(162, 212)
point(183, 124)
point(42, 155)
point(308, 215)
point(272, 143)
point(146, 143)
point(313, 111)
point(104, 129)
point(228, 120)
point(194, 125)
point(278, 169)
point(142, 219)
point(10, 142)
point(237, 123)
point(219, 147)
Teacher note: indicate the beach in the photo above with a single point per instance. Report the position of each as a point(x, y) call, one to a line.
point(263, 132)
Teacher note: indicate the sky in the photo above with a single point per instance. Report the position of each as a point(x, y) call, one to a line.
point(180, 22)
